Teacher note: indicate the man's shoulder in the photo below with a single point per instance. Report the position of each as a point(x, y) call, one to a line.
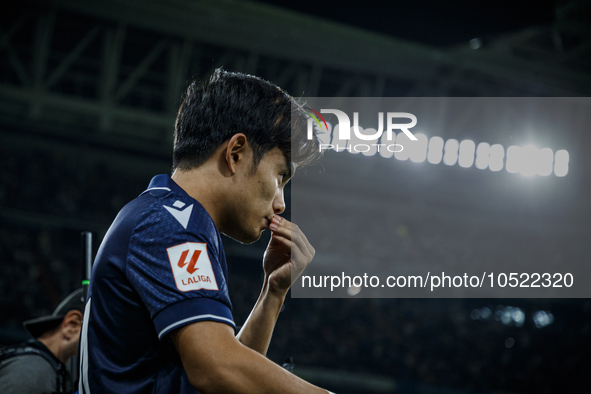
point(172, 212)
point(165, 206)
point(26, 361)
point(32, 349)
point(27, 372)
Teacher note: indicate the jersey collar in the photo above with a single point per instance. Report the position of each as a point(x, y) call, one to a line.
point(165, 183)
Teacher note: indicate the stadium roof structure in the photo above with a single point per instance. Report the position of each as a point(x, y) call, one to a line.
point(114, 71)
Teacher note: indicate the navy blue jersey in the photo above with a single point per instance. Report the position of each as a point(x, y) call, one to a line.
point(160, 266)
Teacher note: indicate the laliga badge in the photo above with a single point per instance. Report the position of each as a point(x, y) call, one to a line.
point(191, 267)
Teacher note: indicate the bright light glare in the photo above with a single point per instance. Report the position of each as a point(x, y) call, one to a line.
point(435, 150)
point(418, 152)
point(561, 163)
point(482, 156)
point(545, 161)
point(466, 153)
point(497, 154)
point(513, 164)
point(450, 157)
point(402, 139)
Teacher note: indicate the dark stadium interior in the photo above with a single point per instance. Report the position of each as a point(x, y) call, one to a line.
point(88, 97)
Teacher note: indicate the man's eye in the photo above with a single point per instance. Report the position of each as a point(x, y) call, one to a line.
point(282, 177)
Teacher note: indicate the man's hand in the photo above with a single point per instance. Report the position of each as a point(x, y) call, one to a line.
point(287, 255)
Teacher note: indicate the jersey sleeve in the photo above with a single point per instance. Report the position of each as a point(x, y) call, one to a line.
point(176, 264)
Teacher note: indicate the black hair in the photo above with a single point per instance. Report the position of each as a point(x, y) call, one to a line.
point(230, 103)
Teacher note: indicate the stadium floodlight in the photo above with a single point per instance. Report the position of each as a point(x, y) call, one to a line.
point(497, 154)
point(450, 157)
point(402, 139)
point(466, 158)
point(435, 150)
point(545, 162)
point(561, 163)
point(529, 160)
point(418, 152)
point(482, 156)
point(514, 158)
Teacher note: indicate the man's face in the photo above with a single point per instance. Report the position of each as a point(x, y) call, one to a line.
point(258, 197)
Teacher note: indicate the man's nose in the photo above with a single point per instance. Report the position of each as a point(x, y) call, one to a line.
point(279, 203)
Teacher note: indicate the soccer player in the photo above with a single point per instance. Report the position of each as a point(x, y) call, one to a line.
point(158, 317)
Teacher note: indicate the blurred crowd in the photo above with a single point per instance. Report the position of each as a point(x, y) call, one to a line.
point(433, 343)
point(46, 200)
point(64, 185)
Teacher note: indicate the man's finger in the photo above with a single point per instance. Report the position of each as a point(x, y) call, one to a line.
point(291, 231)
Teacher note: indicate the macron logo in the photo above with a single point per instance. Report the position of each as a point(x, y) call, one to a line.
point(181, 215)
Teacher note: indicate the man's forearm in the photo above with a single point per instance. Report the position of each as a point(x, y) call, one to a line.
point(257, 330)
point(216, 362)
point(248, 373)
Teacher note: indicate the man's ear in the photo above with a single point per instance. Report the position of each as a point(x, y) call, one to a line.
point(236, 151)
point(72, 323)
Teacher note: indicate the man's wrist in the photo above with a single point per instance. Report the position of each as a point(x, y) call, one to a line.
point(275, 295)
point(273, 291)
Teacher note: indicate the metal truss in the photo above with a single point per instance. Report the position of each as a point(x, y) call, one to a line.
point(114, 72)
